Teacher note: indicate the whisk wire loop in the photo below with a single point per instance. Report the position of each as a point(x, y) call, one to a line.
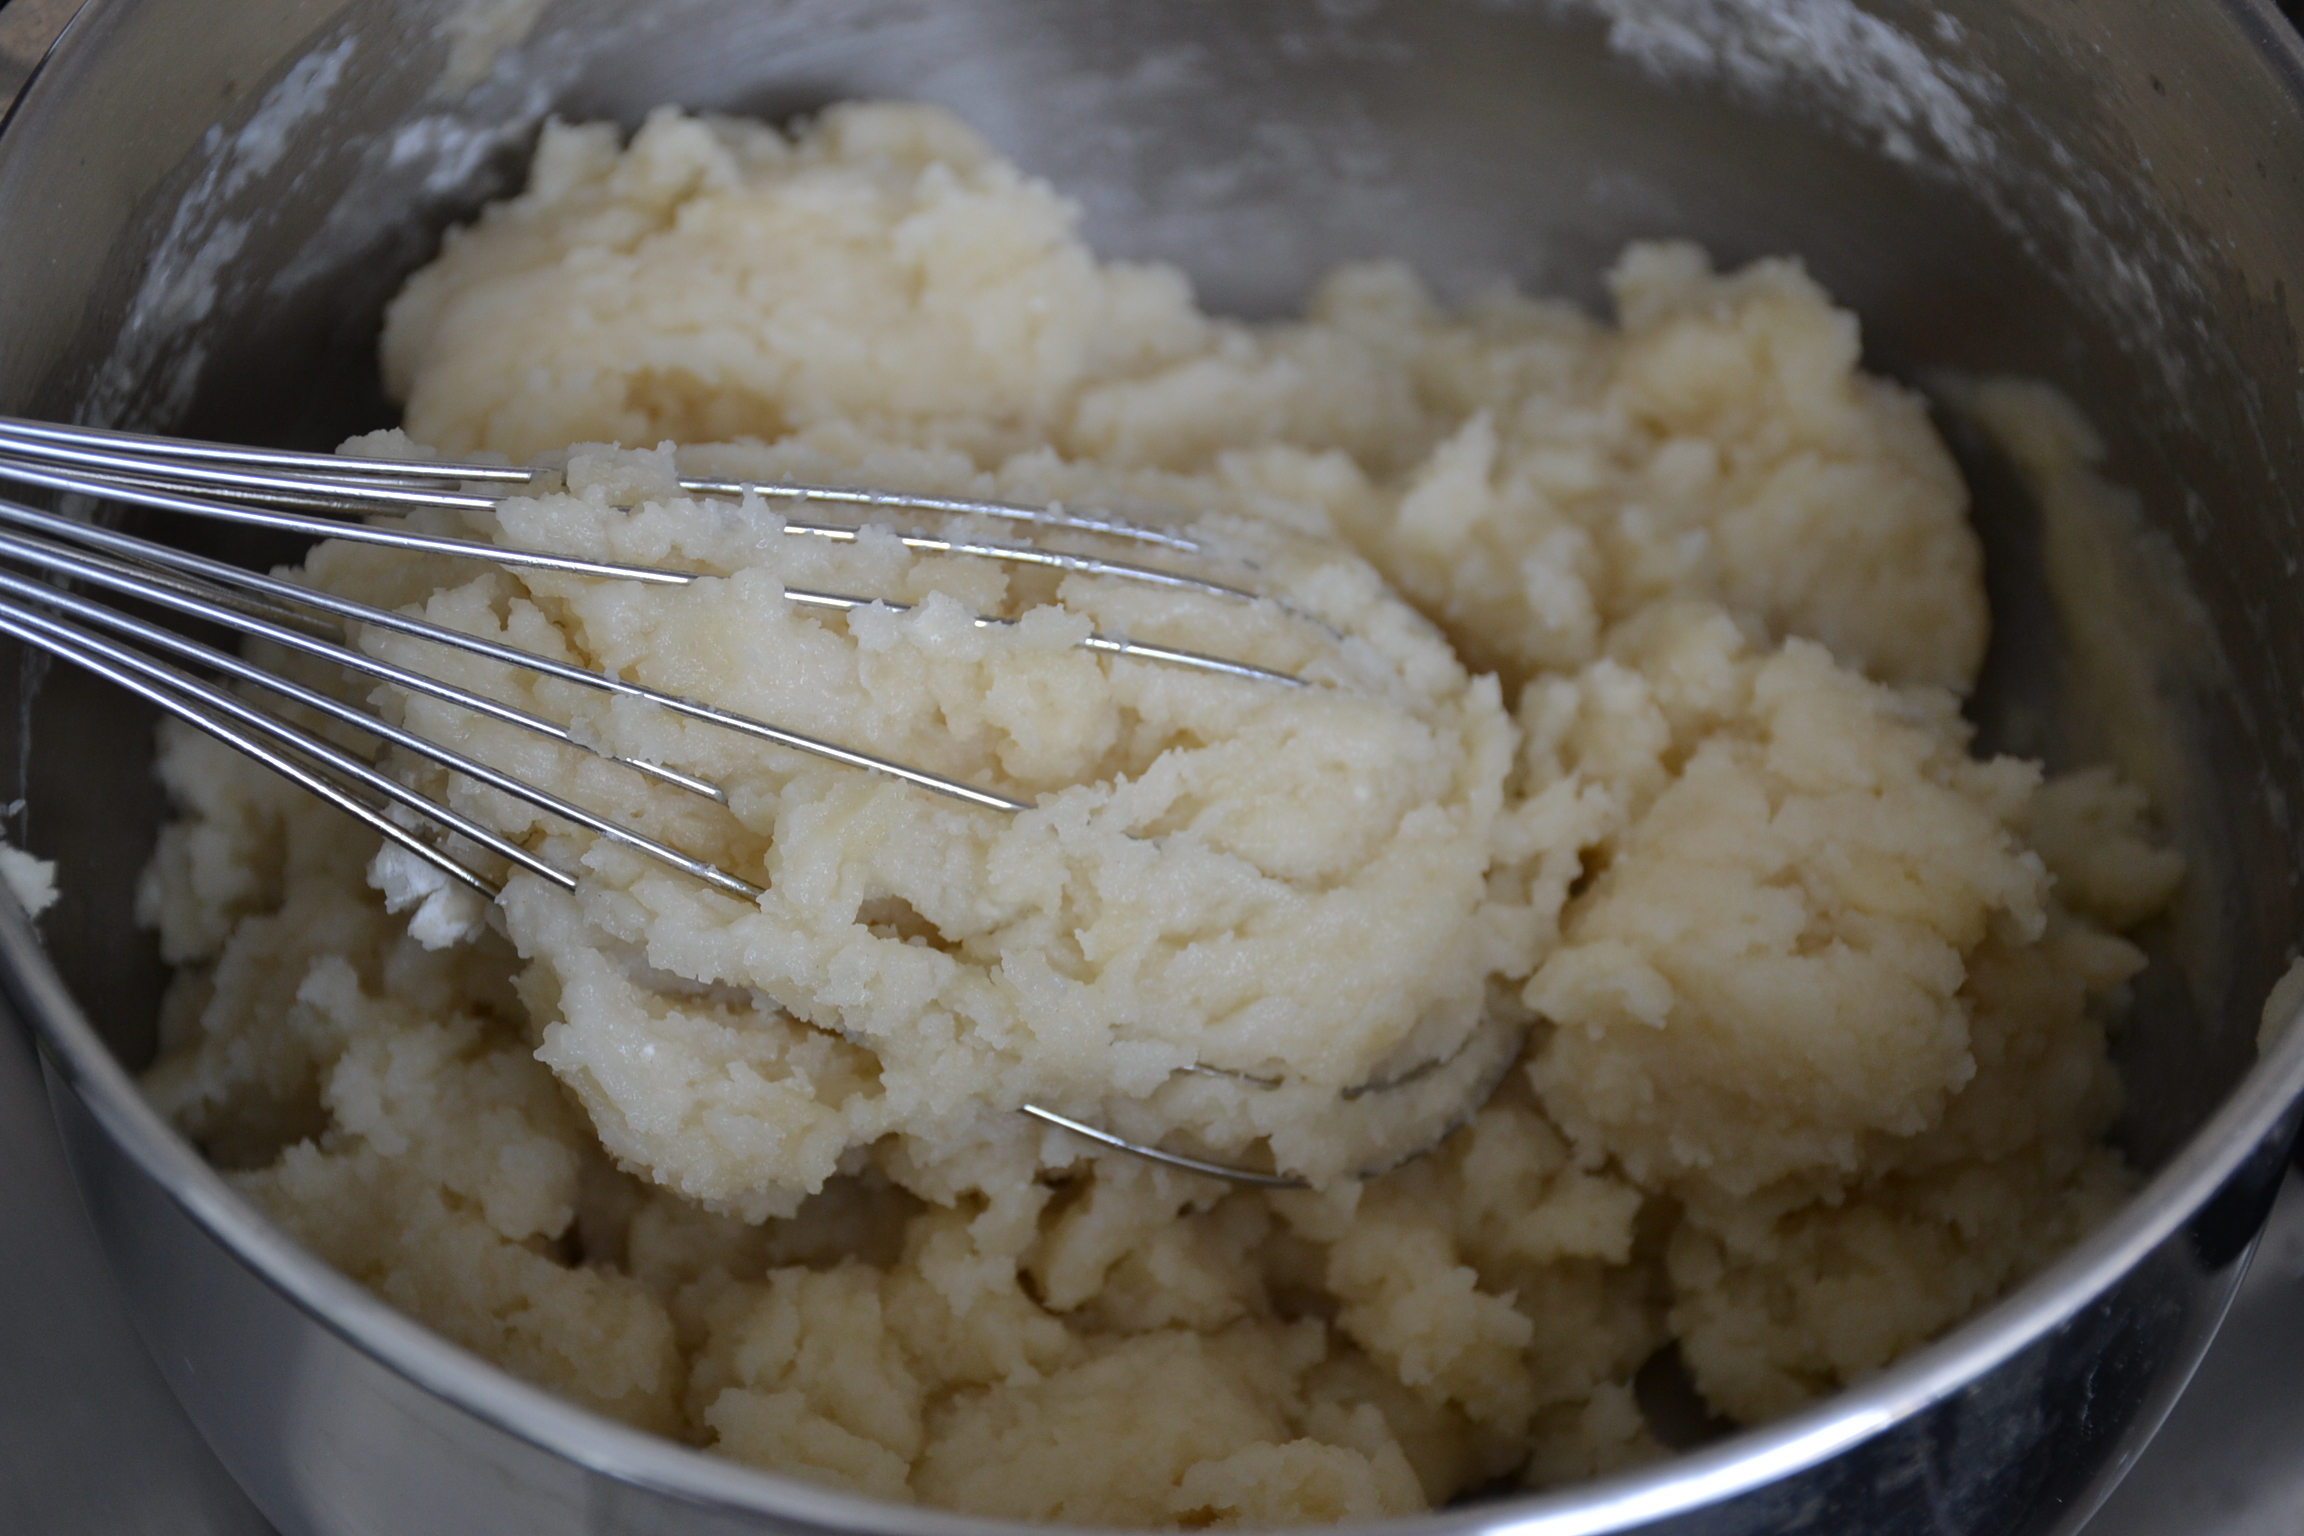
point(165, 461)
point(136, 549)
point(348, 714)
point(21, 437)
point(314, 495)
point(247, 729)
point(252, 487)
point(263, 621)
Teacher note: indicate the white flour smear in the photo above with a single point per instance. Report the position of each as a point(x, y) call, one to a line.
point(157, 362)
point(1869, 73)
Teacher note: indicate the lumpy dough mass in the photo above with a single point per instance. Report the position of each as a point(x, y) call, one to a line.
point(1655, 760)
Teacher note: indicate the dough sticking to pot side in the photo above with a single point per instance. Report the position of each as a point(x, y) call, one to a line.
point(1815, 1063)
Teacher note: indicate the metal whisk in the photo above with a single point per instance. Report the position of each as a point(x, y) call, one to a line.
point(326, 496)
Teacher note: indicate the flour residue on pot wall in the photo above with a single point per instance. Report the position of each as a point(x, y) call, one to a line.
point(155, 367)
point(2281, 1006)
point(31, 880)
point(479, 32)
point(2138, 648)
point(1930, 101)
point(1874, 76)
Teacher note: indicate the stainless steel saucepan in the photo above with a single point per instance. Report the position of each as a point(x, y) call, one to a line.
point(203, 208)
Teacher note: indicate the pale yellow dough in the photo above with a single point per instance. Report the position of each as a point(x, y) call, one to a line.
point(1663, 767)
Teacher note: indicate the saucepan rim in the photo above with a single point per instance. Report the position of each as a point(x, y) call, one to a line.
point(1749, 1459)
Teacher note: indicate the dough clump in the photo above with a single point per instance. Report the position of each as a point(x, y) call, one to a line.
point(1652, 772)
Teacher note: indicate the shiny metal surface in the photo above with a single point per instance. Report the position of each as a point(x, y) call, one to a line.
point(2112, 199)
point(2230, 1460)
point(75, 1382)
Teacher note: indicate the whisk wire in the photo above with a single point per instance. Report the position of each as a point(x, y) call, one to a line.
point(264, 621)
point(133, 548)
point(21, 436)
point(163, 496)
point(201, 705)
point(89, 446)
point(250, 487)
point(472, 768)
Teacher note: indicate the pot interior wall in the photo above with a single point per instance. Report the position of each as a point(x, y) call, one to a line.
point(229, 283)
